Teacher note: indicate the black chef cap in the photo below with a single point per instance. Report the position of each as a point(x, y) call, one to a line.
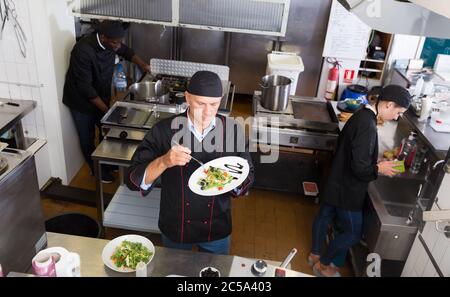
point(205, 83)
point(397, 94)
point(112, 29)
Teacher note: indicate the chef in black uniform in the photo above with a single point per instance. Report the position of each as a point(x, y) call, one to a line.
point(87, 89)
point(187, 219)
point(355, 164)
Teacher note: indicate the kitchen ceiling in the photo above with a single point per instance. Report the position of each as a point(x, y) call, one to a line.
point(418, 17)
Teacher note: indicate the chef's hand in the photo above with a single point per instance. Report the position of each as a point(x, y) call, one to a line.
point(177, 156)
point(146, 68)
point(387, 168)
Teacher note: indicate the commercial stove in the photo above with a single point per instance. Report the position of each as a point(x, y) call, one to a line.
point(292, 146)
point(175, 77)
point(307, 122)
point(131, 121)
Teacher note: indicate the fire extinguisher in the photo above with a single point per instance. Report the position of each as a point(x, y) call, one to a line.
point(333, 79)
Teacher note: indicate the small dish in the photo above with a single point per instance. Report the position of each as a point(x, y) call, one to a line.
point(352, 104)
point(209, 272)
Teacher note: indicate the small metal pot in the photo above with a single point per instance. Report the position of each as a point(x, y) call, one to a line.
point(150, 91)
point(275, 92)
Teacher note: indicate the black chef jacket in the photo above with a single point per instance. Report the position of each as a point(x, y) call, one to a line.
point(184, 216)
point(90, 73)
point(355, 162)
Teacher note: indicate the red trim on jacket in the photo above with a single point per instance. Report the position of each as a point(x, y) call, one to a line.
point(210, 218)
point(182, 203)
point(131, 179)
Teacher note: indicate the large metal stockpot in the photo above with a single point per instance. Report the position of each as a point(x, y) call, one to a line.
point(150, 91)
point(275, 92)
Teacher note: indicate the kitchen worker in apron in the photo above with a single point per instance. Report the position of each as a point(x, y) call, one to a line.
point(185, 218)
point(355, 164)
point(87, 89)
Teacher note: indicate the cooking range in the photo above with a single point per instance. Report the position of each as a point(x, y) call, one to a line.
point(175, 86)
point(131, 121)
point(307, 122)
point(298, 140)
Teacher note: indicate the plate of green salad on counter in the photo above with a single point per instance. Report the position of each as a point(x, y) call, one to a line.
point(123, 253)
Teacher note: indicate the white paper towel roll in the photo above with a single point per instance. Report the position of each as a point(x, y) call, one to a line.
point(67, 263)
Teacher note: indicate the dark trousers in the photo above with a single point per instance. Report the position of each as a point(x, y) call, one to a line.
point(85, 125)
point(350, 223)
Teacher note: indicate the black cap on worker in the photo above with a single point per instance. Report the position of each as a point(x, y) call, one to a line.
point(397, 94)
point(112, 29)
point(206, 84)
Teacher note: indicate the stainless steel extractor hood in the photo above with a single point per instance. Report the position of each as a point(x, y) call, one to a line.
point(414, 17)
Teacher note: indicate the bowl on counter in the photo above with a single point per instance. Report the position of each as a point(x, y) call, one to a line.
point(353, 104)
point(209, 272)
point(111, 247)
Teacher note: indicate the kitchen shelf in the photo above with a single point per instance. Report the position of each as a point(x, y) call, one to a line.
point(375, 69)
point(373, 60)
point(370, 70)
point(129, 210)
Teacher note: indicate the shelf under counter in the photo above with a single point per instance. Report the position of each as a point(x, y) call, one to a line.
point(129, 210)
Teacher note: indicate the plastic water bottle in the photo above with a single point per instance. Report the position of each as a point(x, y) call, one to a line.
point(120, 79)
point(425, 109)
point(141, 269)
point(408, 149)
point(418, 87)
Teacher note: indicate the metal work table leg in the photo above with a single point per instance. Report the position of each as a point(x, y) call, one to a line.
point(99, 195)
point(19, 135)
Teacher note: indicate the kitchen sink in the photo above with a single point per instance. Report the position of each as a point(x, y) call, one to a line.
point(397, 191)
point(388, 230)
point(398, 209)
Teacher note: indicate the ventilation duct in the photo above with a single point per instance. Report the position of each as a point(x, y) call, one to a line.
point(415, 17)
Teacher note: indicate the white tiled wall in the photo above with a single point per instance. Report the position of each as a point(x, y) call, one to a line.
point(50, 33)
point(419, 264)
point(14, 68)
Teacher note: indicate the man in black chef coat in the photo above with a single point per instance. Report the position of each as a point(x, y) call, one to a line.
point(87, 89)
point(185, 218)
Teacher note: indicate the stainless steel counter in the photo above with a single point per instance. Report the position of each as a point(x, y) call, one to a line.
point(439, 141)
point(110, 151)
point(165, 262)
point(115, 150)
point(406, 78)
point(11, 114)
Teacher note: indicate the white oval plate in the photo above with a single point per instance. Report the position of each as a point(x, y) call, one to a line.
point(111, 246)
point(236, 166)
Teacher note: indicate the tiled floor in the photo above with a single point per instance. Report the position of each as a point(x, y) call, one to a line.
point(266, 224)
